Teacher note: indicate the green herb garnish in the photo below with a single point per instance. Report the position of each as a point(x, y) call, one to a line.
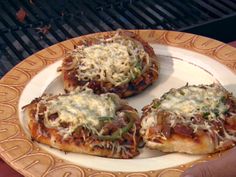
point(216, 112)
point(138, 66)
point(156, 105)
point(118, 133)
point(205, 115)
point(105, 118)
point(181, 92)
point(223, 99)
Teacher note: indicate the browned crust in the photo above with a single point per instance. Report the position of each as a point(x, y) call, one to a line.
point(125, 90)
point(201, 144)
point(51, 137)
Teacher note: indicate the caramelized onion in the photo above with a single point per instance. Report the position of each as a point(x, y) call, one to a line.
point(68, 65)
point(147, 64)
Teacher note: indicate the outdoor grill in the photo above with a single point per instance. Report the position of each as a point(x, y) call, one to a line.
point(28, 26)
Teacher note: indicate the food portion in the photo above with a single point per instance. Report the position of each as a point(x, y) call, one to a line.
point(120, 63)
point(192, 119)
point(81, 121)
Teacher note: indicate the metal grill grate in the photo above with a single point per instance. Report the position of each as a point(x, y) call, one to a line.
point(69, 18)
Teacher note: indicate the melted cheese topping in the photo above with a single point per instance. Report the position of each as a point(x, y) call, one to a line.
point(79, 109)
point(149, 121)
point(187, 102)
point(115, 60)
point(192, 100)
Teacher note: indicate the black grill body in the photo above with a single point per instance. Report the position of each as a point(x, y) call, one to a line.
point(50, 21)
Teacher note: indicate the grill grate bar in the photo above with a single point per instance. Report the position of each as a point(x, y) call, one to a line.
point(93, 21)
point(142, 15)
point(75, 24)
point(46, 41)
point(9, 9)
point(176, 13)
point(154, 15)
point(35, 42)
point(78, 17)
point(61, 27)
point(127, 15)
point(93, 27)
point(115, 15)
point(220, 6)
point(145, 12)
point(214, 12)
point(6, 55)
point(200, 13)
point(94, 24)
point(10, 45)
point(5, 62)
point(87, 27)
point(102, 21)
point(51, 22)
point(35, 10)
point(110, 22)
point(168, 15)
point(229, 4)
point(22, 43)
point(43, 22)
point(8, 19)
point(105, 4)
point(192, 19)
point(3, 65)
point(74, 27)
point(87, 18)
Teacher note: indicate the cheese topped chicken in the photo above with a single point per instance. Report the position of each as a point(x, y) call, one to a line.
point(121, 63)
point(81, 121)
point(117, 62)
point(192, 112)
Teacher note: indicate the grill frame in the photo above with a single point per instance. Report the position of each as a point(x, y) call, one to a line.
point(68, 19)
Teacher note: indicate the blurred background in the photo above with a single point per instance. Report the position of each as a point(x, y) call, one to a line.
point(27, 26)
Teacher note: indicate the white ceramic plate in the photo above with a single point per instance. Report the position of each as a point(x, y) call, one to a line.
point(177, 67)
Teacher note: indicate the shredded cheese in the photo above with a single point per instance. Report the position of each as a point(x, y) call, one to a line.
point(116, 60)
point(79, 109)
point(192, 100)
